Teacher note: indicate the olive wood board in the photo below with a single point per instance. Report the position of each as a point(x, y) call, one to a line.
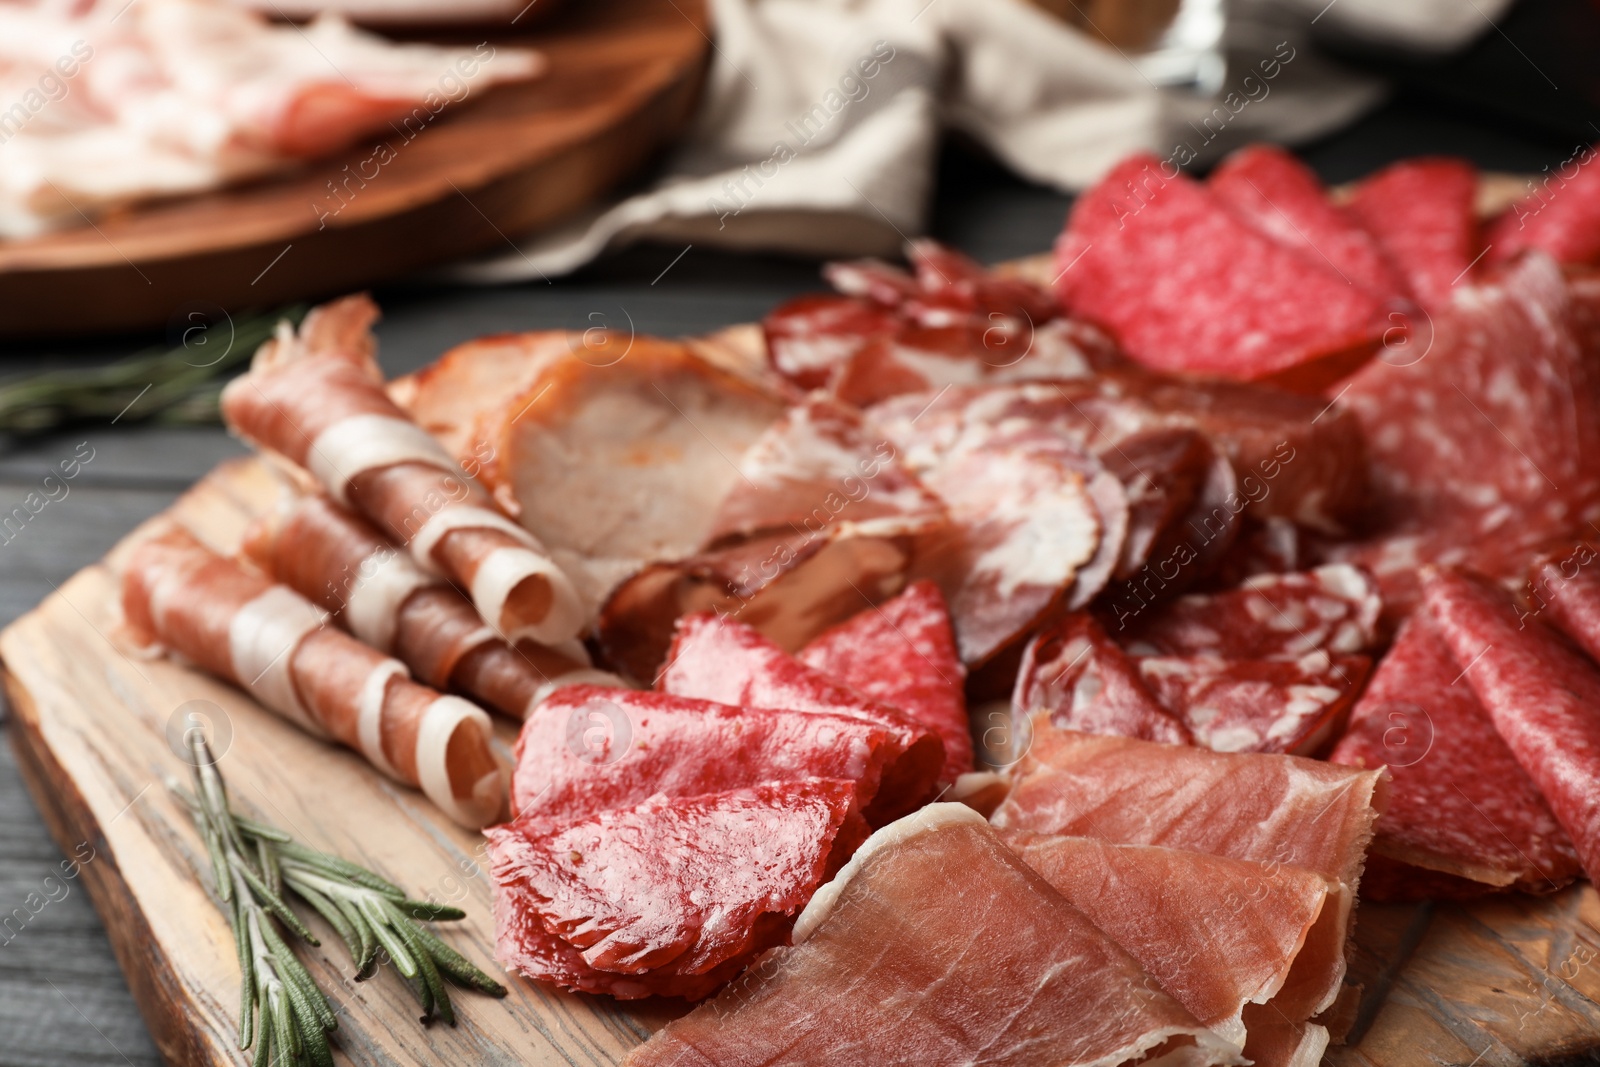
point(1500, 982)
point(622, 81)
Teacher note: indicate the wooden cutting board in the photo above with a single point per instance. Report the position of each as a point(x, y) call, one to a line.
point(622, 81)
point(1495, 984)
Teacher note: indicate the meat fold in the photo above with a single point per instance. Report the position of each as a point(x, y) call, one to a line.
point(895, 962)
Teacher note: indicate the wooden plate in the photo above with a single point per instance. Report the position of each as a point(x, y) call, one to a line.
point(623, 79)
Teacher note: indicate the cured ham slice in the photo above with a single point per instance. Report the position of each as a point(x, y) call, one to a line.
point(317, 399)
point(185, 96)
point(342, 563)
point(1273, 191)
point(1540, 695)
point(586, 750)
point(1265, 808)
point(1258, 705)
point(888, 968)
point(903, 653)
point(670, 896)
point(656, 425)
point(1334, 608)
point(1218, 934)
point(723, 660)
point(1421, 212)
point(1482, 449)
point(1084, 681)
point(271, 642)
point(1459, 803)
point(1184, 285)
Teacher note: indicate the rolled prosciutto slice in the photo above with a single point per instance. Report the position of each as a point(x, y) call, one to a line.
point(588, 749)
point(672, 896)
point(272, 642)
point(341, 562)
point(937, 945)
point(317, 398)
point(721, 659)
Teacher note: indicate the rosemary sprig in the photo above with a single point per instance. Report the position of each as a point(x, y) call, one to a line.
point(257, 868)
point(180, 384)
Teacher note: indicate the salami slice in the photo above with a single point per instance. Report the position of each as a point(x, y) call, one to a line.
point(1284, 809)
point(1539, 694)
point(1561, 217)
point(885, 970)
point(587, 750)
point(1421, 211)
point(666, 893)
point(1186, 286)
point(1564, 590)
point(1332, 608)
point(1481, 447)
point(820, 469)
point(1460, 804)
point(903, 653)
point(1086, 682)
point(720, 659)
point(1273, 191)
point(1290, 706)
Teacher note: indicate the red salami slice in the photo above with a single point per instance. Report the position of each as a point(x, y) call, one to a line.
point(1421, 213)
point(810, 336)
point(1459, 804)
point(1261, 705)
point(903, 653)
point(675, 896)
point(1184, 285)
point(1560, 217)
point(720, 659)
point(1539, 694)
point(1481, 447)
point(1280, 196)
point(1086, 682)
point(1333, 608)
point(1564, 590)
point(1272, 545)
point(588, 750)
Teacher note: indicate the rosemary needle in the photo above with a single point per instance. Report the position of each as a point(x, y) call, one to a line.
point(257, 869)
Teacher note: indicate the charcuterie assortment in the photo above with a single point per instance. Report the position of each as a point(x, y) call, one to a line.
point(964, 668)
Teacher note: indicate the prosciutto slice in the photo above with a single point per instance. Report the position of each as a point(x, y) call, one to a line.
point(1460, 804)
point(895, 962)
point(669, 896)
point(903, 653)
point(723, 660)
point(1218, 934)
point(271, 642)
point(1263, 808)
point(587, 750)
point(317, 399)
point(1540, 695)
point(340, 561)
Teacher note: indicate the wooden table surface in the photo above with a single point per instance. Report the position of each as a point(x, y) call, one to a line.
point(62, 998)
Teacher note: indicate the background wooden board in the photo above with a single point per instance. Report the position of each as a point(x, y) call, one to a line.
point(1501, 982)
point(622, 81)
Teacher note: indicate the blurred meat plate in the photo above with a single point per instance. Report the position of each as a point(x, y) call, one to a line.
point(621, 82)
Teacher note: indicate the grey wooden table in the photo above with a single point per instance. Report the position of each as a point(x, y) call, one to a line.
point(62, 998)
